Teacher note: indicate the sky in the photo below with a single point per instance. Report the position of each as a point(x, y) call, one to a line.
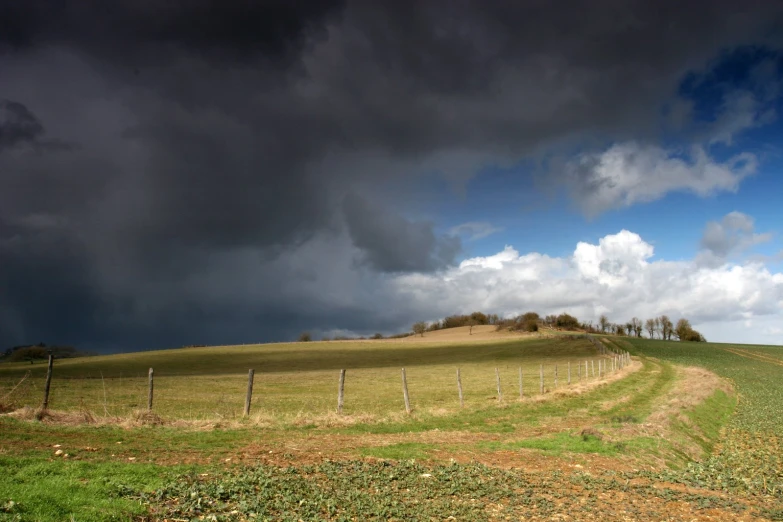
point(204, 172)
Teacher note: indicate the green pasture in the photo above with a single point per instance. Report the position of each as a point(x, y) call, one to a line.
point(298, 379)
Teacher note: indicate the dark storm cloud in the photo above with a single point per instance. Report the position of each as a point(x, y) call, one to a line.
point(391, 243)
point(270, 28)
point(17, 124)
point(210, 140)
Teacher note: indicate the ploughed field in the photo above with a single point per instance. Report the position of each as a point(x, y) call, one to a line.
point(687, 431)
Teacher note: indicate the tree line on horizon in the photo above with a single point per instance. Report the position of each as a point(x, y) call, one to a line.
point(661, 327)
point(33, 352)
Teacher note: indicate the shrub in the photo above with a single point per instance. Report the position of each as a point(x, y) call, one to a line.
point(305, 337)
point(569, 322)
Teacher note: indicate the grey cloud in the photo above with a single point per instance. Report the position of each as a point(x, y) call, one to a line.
point(17, 124)
point(475, 230)
point(731, 235)
point(391, 243)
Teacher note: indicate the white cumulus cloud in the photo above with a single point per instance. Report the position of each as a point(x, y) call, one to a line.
point(616, 276)
point(629, 173)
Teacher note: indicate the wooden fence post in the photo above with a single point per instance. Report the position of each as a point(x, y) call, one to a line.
point(249, 394)
point(569, 373)
point(149, 392)
point(48, 382)
point(579, 370)
point(541, 371)
point(405, 393)
point(497, 380)
point(521, 391)
point(592, 365)
point(555, 377)
point(459, 389)
point(341, 391)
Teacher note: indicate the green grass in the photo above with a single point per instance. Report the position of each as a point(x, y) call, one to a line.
point(757, 382)
point(41, 490)
point(297, 383)
point(404, 450)
point(572, 442)
point(750, 454)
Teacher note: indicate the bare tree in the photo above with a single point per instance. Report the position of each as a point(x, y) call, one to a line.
point(636, 326)
point(666, 327)
point(419, 328)
point(471, 323)
point(649, 324)
point(603, 322)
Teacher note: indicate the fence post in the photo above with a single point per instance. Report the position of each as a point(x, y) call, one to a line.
point(555, 377)
point(569, 373)
point(592, 365)
point(459, 389)
point(579, 370)
point(405, 393)
point(497, 380)
point(249, 395)
point(149, 392)
point(541, 371)
point(48, 382)
point(341, 391)
point(521, 391)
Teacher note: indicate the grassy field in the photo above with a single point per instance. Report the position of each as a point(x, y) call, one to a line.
point(750, 455)
point(664, 439)
point(298, 379)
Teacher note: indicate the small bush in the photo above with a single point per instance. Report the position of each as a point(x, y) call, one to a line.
point(305, 337)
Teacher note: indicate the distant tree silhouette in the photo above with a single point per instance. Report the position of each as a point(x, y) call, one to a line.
point(650, 326)
point(419, 328)
point(636, 326)
point(603, 323)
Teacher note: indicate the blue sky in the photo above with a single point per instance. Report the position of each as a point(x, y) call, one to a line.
point(507, 199)
point(518, 206)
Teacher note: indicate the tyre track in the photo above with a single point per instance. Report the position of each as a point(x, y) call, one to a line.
point(757, 356)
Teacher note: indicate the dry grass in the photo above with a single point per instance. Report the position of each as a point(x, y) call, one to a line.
point(274, 418)
point(299, 380)
point(462, 334)
point(693, 387)
point(63, 418)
